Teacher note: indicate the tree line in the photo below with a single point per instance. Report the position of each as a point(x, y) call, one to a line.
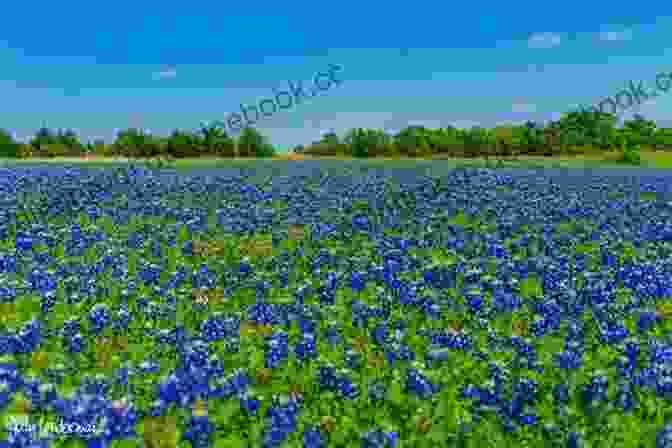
point(581, 132)
point(208, 141)
point(575, 133)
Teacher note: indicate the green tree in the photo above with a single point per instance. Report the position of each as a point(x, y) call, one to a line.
point(509, 140)
point(217, 141)
point(413, 141)
point(640, 130)
point(330, 138)
point(69, 139)
point(446, 141)
point(250, 142)
point(475, 141)
point(597, 128)
point(534, 138)
point(365, 143)
point(135, 143)
point(378, 142)
point(183, 144)
point(265, 150)
point(42, 138)
point(9, 148)
point(663, 138)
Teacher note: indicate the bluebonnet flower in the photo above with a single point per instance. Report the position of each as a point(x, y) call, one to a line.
point(378, 439)
point(664, 437)
point(574, 440)
point(561, 393)
point(417, 384)
point(281, 421)
point(596, 389)
point(332, 336)
point(99, 317)
point(306, 349)
point(199, 432)
point(569, 359)
point(217, 327)
point(277, 350)
point(313, 437)
point(250, 405)
point(24, 241)
point(357, 281)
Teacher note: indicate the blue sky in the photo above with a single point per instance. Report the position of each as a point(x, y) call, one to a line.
point(98, 68)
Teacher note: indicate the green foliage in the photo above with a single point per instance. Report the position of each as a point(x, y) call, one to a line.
point(62, 143)
point(217, 142)
point(252, 144)
point(630, 152)
point(8, 147)
point(575, 133)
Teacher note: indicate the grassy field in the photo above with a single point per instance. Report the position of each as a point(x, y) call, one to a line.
point(651, 159)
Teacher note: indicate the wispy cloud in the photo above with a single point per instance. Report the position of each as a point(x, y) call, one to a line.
point(615, 36)
point(544, 40)
point(165, 74)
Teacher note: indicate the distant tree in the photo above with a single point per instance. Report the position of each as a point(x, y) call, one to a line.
point(265, 150)
point(508, 140)
point(640, 130)
point(330, 138)
point(413, 141)
point(594, 128)
point(475, 140)
point(217, 141)
point(663, 138)
point(39, 142)
point(184, 144)
point(533, 137)
point(69, 139)
point(380, 142)
point(135, 143)
point(8, 147)
point(250, 143)
point(444, 140)
point(358, 142)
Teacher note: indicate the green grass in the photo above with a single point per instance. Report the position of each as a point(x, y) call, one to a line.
point(650, 159)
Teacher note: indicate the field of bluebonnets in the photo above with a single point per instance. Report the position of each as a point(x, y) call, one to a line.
point(314, 304)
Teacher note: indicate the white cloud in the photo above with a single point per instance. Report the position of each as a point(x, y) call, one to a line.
point(523, 108)
point(612, 36)
point(544, 40)
point(165, 74)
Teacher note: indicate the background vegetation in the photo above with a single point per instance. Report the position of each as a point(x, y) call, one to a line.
point(576, 133)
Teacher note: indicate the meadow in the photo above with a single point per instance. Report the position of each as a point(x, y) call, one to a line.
point(334, 303)
point(649, 159)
